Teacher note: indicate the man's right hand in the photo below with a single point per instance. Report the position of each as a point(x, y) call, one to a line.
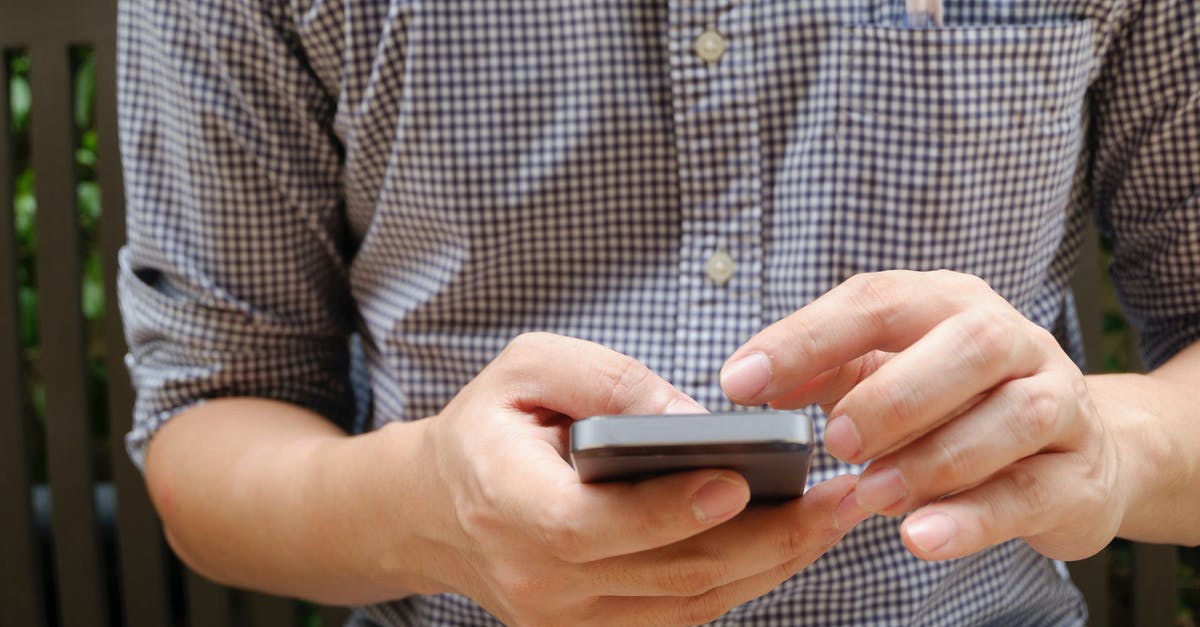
point(479, 500)
point(511, 526)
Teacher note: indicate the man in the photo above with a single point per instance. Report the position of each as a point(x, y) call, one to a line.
point(694, 205)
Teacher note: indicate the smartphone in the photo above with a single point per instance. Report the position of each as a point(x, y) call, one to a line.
point(771, 449)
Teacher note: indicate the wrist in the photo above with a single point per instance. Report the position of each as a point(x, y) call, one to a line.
point(1155, 475)
point(378, 489)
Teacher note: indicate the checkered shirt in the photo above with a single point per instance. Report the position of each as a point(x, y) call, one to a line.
point(437, 177)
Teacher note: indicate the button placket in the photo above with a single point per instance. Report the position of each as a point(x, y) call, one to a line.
point(714, 95)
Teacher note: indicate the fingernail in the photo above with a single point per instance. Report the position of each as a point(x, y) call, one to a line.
point(881, 489)
point(684, 405)
point(718, 498)
point(842, 439)
point(745, 378)
point(931, 532)
point(848, 513)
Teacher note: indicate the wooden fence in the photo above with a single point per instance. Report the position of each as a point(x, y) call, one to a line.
point(84, 553)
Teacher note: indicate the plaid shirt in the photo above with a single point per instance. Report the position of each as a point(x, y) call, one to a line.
point(438, 177)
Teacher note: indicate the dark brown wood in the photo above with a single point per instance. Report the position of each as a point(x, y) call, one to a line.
point(82, 591)
point(269, 611)
point(22, 599)
point(1155, 587)
point(143, 557)
point(1091, 576)
point(333, 616)
point(62, 21)
point(208, 604)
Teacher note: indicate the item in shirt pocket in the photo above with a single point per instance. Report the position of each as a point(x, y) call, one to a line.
point(771, 449)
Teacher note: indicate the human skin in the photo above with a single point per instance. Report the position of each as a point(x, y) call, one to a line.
point(975, 422)
point(479, 500)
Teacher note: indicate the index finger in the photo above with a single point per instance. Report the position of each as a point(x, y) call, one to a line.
point(884, 311)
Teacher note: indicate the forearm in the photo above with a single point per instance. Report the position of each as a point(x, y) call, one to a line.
point(1156, 425)
point(269, 496)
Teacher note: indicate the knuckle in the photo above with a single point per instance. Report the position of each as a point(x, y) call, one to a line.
point(961, 281)
point(1032, 493)
point(519, 347)
point(705, 608)
point(521, 357)
point(895, 403)
point(805, 342)
point(1035, 410)
point(528, 340)
point(899, 406)
point(624, 377)
point(692, 576)
point(986, 336)
point(878, 295)
point(952, 464)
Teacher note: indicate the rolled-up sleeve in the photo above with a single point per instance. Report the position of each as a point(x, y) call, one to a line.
point(233, 281)
point(1146, 179)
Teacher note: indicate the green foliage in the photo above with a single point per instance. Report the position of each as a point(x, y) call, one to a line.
point(19, 95)
point(25, 209)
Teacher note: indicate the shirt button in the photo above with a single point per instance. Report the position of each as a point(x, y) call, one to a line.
point(719, 268)
point(710, 45)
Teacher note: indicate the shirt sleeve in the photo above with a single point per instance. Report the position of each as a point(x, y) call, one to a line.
point(1146, 175)
point(233, 281)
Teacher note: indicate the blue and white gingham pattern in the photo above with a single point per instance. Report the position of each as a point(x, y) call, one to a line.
point(440, 176)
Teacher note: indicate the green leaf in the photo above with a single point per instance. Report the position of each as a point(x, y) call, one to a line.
point(24, 182)
point(1113, 322)
point(87, 195)
point(27, 303)
point(85, 157)
point(93, 288)
point(20, 99)
point(25, 213)
point(19, 63)
point(85, 91)
point(39, 401)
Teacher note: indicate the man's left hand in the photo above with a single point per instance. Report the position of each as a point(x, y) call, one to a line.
point(976, 420)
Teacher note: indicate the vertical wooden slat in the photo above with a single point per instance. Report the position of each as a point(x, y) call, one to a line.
point(1155, 589)
point(83, 595)
point(22, 600)
point(333, 616)
point(209, 605)
point(143, 559)
point(270, 611)
point(1085, 288)
point(1091, 576)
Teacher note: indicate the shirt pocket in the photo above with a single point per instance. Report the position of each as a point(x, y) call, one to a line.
point(957, 147)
